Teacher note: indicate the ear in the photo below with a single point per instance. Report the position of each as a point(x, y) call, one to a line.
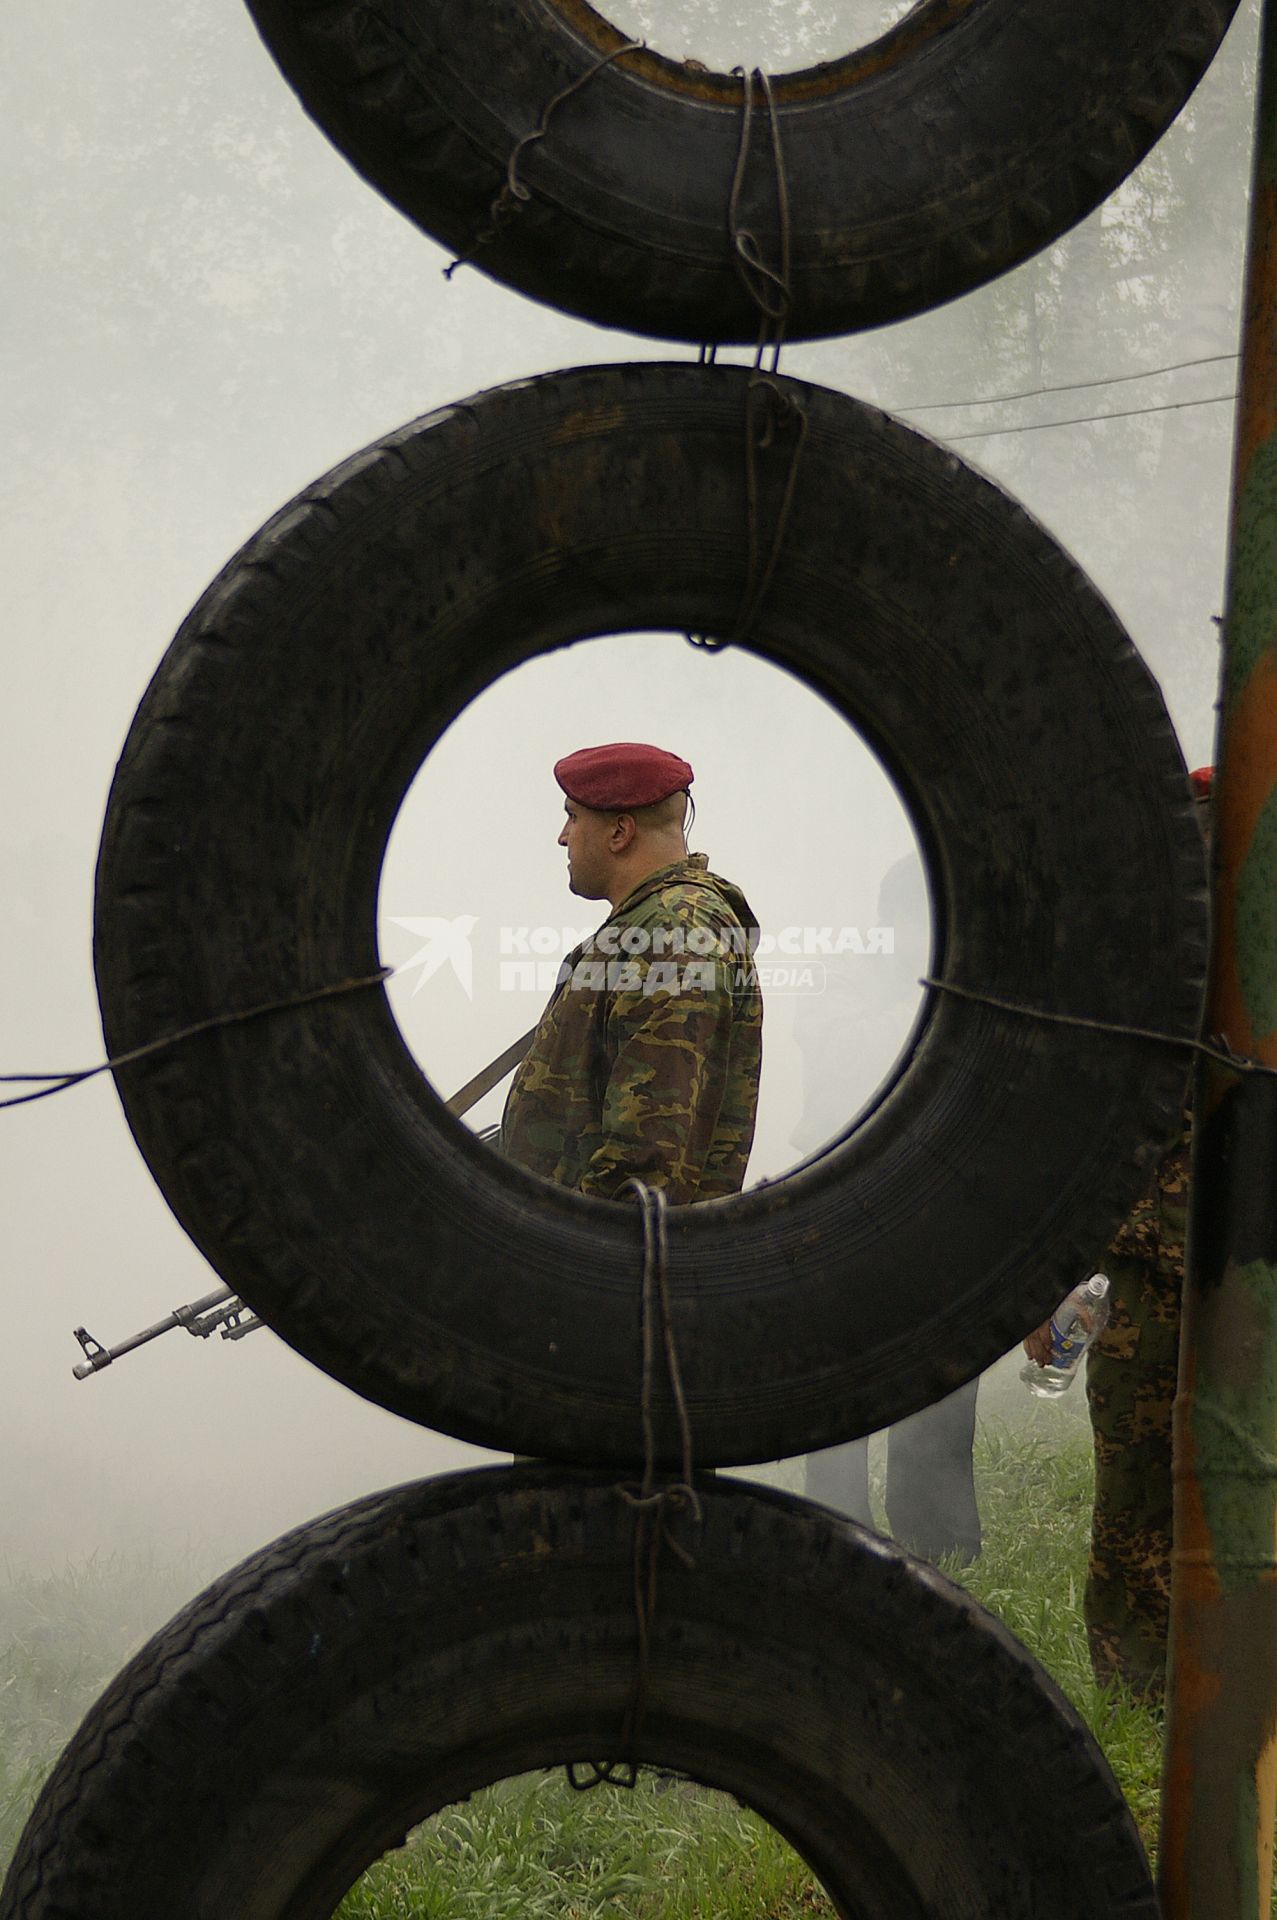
point(623, 832)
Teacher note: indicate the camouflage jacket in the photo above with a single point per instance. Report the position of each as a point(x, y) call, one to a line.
point(646, 1060)
point(1156, 1228)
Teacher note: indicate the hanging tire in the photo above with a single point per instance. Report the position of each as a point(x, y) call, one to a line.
point(318, 1702)
point(956, 146)
point(307, 1155)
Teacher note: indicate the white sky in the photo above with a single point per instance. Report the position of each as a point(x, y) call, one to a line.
point(204, 310)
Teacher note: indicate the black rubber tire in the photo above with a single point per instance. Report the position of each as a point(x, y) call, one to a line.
point(308, 1156)
point(315, 1704)
point(973, 134)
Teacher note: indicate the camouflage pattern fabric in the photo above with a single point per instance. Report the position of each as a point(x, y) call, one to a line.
point(646, 1060)
point(1131, 1380)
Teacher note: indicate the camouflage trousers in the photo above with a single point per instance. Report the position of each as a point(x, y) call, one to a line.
point(1131, 1376)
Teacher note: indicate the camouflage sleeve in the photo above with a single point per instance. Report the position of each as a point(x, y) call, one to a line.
point(1155, 1229)
point(1136, 1238)
point(668, 1046)
point(729, 1152)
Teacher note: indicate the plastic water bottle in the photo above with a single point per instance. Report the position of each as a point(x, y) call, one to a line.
point(1075, 1323)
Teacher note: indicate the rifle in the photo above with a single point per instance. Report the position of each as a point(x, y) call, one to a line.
point(222, 1311)
point(218, 1312)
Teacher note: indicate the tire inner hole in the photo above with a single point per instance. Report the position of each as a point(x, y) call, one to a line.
point(781, 36)
point(669, 1845)
point(792, 806)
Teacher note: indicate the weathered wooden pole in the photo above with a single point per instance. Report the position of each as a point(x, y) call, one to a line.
point(1220, 1769)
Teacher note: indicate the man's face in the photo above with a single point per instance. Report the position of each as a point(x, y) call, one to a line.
point(587, 837)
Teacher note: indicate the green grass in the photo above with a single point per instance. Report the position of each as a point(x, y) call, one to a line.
point(1035, 1502)
point(532, 1846)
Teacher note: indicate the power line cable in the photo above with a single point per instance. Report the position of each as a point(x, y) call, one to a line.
point(1088, 419)
point(1072, 386)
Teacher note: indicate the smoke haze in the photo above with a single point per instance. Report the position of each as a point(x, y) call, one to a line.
point(205, 309)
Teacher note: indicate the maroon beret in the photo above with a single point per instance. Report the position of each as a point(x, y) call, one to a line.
point(624, 774)
point(1202, 781)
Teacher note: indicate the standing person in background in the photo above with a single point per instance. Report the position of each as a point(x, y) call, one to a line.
point(1131, 1376)
point(855, 1039)
point(646, 1061)
point(931, 1500)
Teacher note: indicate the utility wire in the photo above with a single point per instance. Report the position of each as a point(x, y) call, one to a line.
point(60, 1082)
point(1072, 386)
point(1087, 419)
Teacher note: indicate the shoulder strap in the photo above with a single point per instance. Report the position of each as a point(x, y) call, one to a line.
point(491, 1076)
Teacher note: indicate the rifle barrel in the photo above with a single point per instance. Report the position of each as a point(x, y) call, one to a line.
point(99, 1356)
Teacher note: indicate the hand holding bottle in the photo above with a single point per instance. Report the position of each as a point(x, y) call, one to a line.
point(1055, 1350)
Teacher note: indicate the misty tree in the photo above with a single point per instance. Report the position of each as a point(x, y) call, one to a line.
point(175, 222)
point(203, 179)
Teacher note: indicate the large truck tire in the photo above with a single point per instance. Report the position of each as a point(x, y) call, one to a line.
point(306, 1153)
point(302, 1715)
point(969, 136)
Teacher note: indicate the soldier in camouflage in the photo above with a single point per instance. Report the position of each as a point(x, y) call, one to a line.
point(646, 1060)
point(1130, 1384)
point(1131, 1375)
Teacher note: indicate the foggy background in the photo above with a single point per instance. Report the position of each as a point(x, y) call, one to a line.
point(205, 309)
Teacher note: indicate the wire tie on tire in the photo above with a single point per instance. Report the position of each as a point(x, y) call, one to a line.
point(781, 410)
point(769, 288)
point(1216, 1048)
point(514, 196)
point(583, 1775)
point(211, 1025)
point(655, 1508)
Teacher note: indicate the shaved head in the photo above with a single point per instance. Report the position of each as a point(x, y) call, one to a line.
point(666, 816)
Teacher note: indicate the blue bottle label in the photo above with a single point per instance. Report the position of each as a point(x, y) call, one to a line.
point(1068, 1347)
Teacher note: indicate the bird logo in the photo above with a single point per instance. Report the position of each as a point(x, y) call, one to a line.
point(445, 943)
